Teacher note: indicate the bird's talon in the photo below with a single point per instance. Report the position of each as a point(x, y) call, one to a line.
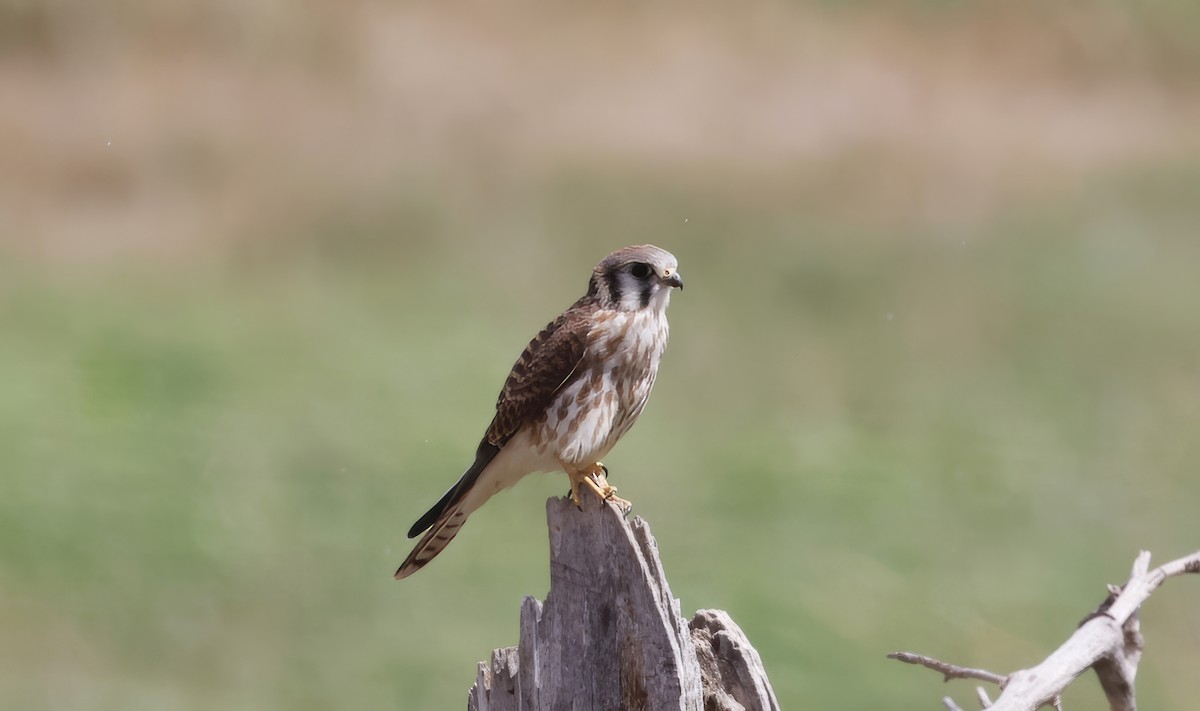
point(625, 506)
point(573, 494)
point(599, 474)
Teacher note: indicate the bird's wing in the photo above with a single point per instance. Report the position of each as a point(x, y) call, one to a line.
point(548, 363)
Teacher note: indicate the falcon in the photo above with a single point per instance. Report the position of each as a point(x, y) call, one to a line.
point(576, 390)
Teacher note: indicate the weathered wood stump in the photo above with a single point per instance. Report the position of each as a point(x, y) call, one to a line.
point(610, 636)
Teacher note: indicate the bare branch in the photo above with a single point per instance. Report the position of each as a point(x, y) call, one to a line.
point(1142, 583)
point(1108, 640)
point(1117, 671)
point(1107, 635)
point(985, 701)
point(949, 704)
point(949, 671)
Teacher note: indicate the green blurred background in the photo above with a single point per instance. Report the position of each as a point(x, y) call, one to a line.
point(264, 265)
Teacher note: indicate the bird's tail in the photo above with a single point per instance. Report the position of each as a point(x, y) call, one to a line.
point(439, 535)
point(450, 512)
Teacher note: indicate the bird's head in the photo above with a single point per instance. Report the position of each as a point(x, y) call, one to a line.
point(635, 278)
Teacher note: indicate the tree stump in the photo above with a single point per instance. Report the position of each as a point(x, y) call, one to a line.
point(611, 636)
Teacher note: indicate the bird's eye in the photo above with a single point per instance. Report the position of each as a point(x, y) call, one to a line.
point(640, 270)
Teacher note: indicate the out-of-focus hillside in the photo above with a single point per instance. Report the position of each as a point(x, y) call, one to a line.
point(264, 266)
point(170, 128)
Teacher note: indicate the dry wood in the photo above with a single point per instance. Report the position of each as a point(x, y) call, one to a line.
point(1108, 640)
point(949, 671)
point(611, 636)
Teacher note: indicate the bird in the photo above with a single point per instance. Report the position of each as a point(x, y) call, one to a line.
point(576, 389)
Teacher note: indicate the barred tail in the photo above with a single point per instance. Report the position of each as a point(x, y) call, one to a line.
point(435, 539)
point(447, 515)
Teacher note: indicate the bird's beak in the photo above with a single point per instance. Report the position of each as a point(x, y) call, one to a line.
point(673, 279)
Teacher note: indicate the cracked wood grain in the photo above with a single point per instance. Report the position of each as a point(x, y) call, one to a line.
point(611, 636)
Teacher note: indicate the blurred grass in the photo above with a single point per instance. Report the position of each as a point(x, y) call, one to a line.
point(932, 383)
point(930, 444)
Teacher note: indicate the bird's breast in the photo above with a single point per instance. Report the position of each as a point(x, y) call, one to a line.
point(612, 385)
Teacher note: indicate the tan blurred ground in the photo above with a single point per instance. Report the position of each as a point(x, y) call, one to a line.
point(169, 130)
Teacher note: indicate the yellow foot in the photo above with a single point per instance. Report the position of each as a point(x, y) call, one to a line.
point(600, 474)
point(597, 481)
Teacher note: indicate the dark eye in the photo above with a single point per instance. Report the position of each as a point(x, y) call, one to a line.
point(640, 270)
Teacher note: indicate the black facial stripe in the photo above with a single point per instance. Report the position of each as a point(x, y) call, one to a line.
point(645, 293)
point(614, 286)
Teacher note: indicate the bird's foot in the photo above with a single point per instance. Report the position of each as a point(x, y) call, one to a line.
point(598, 482)
point(579, 482)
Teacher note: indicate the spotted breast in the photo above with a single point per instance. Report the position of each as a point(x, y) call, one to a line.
point(619, 367)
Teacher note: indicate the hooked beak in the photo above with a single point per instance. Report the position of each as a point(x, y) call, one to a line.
point(673, 279)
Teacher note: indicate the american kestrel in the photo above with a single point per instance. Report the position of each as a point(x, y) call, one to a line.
point(578, 387)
